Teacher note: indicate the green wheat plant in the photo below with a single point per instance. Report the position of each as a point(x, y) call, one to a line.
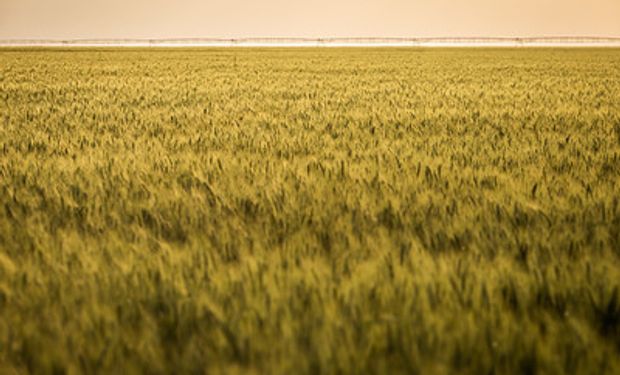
point(310, 211)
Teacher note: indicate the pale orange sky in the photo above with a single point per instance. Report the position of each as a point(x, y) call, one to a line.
point(74, 19)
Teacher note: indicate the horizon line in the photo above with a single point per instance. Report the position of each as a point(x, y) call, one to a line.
point(320, 41)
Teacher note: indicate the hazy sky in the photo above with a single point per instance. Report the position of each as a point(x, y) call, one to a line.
point(297, 18)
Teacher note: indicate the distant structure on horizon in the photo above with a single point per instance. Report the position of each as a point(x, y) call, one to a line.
point(324, 42)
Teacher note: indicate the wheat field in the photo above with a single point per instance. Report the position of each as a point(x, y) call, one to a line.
point(310, 211)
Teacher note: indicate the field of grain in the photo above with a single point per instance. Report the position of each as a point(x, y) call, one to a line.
point(306, 211)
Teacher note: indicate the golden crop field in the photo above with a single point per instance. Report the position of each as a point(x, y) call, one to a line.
point(310, 211)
